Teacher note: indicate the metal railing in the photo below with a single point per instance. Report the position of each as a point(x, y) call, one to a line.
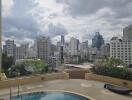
point(18, 93)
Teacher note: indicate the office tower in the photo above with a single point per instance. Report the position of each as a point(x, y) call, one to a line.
point(127, 33)
point(10, 48)
point(121, 49)
point(84, 50)
point(62, 48)
point(83, 45)
point(58, 46)
point(62, 39)
point(97, 41)
point(21, 52)
point(32, 53)
point(105, 50)
point(43, 48)
point(62, 53)
point(74, 46)
point(53, 49)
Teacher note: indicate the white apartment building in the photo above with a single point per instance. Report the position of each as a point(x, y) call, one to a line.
point(73, 46)
point(121, 49)
point(43, 47)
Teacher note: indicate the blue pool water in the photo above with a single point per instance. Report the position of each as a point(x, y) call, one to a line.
point(50, 96)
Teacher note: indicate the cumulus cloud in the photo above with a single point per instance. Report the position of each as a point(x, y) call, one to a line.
point(86, 7)
point(74, 18)
point(20, 23)
point(24, 21)
point(57, 29)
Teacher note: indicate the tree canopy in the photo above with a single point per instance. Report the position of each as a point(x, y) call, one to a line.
point(28, 67)
point(7, 62)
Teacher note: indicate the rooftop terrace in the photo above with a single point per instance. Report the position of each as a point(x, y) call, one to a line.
point(93, 89)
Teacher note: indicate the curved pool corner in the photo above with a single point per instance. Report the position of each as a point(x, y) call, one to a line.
point(52, 95)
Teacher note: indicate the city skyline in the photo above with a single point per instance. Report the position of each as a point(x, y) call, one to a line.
point(65, 49)
point(55, 17)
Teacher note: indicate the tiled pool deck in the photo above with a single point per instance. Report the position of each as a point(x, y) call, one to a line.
point(93, 89)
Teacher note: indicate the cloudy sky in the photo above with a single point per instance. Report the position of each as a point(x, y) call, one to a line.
point(23, 20)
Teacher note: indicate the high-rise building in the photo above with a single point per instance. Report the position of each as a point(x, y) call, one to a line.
point(62, 48)
point(62, 39)
point(97, 41)
point(127, 33)
point(121, 49)
point(105, 50)
point(53, 49)
point(92, 53)
point(21, 52)
point(66, 49)
point(83, 45)
point(43, 48)
point(84, 50)
point(58, 46)
point(9, 47)
point(32, 53)
point(74, 46)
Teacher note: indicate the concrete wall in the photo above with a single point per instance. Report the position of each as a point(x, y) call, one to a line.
point(116, 81)
point(77, 73)
point(65, 75)
point(32, 79)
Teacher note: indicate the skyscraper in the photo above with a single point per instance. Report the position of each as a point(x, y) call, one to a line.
point(84, 50)
point(74, 46)
point(10, 47)
point(62, 48)
point(97, 41)
point(105, 50)
point(127, 33)
point(62, 39)
point(21, 52)
point(43, 48)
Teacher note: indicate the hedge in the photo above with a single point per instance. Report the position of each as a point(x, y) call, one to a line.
point(117, 72)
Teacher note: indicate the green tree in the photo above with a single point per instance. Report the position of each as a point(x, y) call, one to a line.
point(28, 67)
point(114, 62)
point(37, 66)
point(7, 62)
point(111, 62)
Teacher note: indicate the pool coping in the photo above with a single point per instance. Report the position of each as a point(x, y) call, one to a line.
point(88, 97)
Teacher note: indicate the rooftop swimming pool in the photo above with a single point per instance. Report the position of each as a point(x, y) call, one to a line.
point(50, 96)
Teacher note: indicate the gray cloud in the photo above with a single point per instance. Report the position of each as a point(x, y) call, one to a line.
point(57, 29)
point(87, 7)
point(110, 15)
point(27, 18)
point(20, 23)
point(25, 22)
point(53, 15)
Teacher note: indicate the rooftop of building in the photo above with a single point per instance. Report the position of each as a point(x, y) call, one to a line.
point(87, 88)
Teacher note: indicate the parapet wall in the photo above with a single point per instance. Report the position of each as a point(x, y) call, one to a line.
point(116, 81)
point(65, 75)
point(32, 79)
point(77, 73)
